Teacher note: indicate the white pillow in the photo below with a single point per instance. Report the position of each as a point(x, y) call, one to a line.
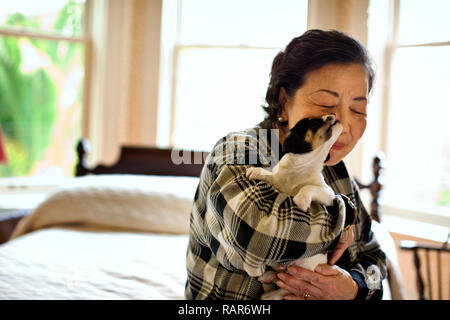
point(141, 203)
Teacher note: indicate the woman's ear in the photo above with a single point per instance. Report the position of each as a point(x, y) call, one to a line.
point(282, 97)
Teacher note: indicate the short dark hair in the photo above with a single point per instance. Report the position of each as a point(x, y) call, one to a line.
point(308, 52)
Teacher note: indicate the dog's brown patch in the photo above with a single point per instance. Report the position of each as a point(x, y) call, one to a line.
point(319, 138)
point(309, 136)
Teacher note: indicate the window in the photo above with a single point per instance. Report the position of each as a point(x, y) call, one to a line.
point(417, 139)
point(218, 65)
point(42, 69)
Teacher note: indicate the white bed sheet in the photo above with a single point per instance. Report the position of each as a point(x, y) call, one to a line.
point(129, 242)
point(68, 263)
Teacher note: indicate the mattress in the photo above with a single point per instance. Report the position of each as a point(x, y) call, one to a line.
point(78, 263)
point(102, 237)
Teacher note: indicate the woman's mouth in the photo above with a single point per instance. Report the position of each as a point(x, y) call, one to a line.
point(338, 146)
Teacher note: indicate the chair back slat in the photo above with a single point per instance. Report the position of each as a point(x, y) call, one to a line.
point(428, 264)
point(420, 286)
point(431, 263)
point(439, 274)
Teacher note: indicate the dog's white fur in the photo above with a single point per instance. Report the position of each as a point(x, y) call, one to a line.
point(299, 175)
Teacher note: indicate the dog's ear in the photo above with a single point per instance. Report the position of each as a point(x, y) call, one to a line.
point(301, 126)
point(294, 143)
point(312, 124)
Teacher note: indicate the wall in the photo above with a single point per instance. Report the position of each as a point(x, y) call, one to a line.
point(124, 70)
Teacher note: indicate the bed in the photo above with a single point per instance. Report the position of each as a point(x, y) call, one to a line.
point(112, 232)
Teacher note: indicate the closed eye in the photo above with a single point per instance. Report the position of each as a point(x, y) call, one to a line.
point(359, 112)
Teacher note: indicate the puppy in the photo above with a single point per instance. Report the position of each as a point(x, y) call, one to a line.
point(299, 174)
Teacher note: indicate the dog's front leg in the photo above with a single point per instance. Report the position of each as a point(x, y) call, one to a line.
point(256, 173)
point(324, 194)
point(307, 194)
point(303, 198)
point(270, 276)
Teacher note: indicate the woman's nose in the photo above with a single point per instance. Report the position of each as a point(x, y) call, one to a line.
point(337, 116)
point(343, 120)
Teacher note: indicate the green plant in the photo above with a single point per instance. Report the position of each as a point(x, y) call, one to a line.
point(29, 99)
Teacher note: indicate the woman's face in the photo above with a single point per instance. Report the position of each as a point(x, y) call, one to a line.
point(335, 88)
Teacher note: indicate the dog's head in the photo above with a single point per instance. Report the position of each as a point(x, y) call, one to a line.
point(311, 134)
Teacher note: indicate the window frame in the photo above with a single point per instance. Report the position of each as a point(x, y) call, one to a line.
point(83, 39)
point(173, 47)
point(438, 218)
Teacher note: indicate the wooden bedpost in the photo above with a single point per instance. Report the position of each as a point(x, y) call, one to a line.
point(82, 149)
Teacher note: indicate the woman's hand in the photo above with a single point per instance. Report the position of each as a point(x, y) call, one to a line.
point(344, 242)
point(325, 283)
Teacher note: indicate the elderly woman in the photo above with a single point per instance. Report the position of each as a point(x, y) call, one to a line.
point(241, 227)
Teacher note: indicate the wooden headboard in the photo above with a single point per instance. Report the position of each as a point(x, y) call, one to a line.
point(145, 160)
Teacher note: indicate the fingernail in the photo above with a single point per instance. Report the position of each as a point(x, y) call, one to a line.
point(280, 284)
point(281, 276)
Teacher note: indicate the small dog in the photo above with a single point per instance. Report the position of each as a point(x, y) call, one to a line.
point(299, 174)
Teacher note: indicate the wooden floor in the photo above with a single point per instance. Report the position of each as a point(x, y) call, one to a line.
point(407, 269)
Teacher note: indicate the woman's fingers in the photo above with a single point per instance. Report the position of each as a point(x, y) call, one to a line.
point(293, 297)
point(336, 254)
point(327, 270)
point(302, 290)
point(297, 286)
point(344, 242)
point(301, 273)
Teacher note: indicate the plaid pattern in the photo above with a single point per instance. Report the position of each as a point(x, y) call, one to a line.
point(239, 227)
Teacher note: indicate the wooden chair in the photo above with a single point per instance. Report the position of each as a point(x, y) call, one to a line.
point(374, 187)
point(432, 280)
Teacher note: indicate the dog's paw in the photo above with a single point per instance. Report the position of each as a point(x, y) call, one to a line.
point(255, 173)
point(268, 277)
point(303, 201)
point(277, 266)
point(329, 201)
point(278, 294)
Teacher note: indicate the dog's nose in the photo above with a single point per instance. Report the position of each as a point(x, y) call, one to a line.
point(329, 118)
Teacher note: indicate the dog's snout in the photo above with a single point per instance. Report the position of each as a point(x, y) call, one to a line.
point(329, 118)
